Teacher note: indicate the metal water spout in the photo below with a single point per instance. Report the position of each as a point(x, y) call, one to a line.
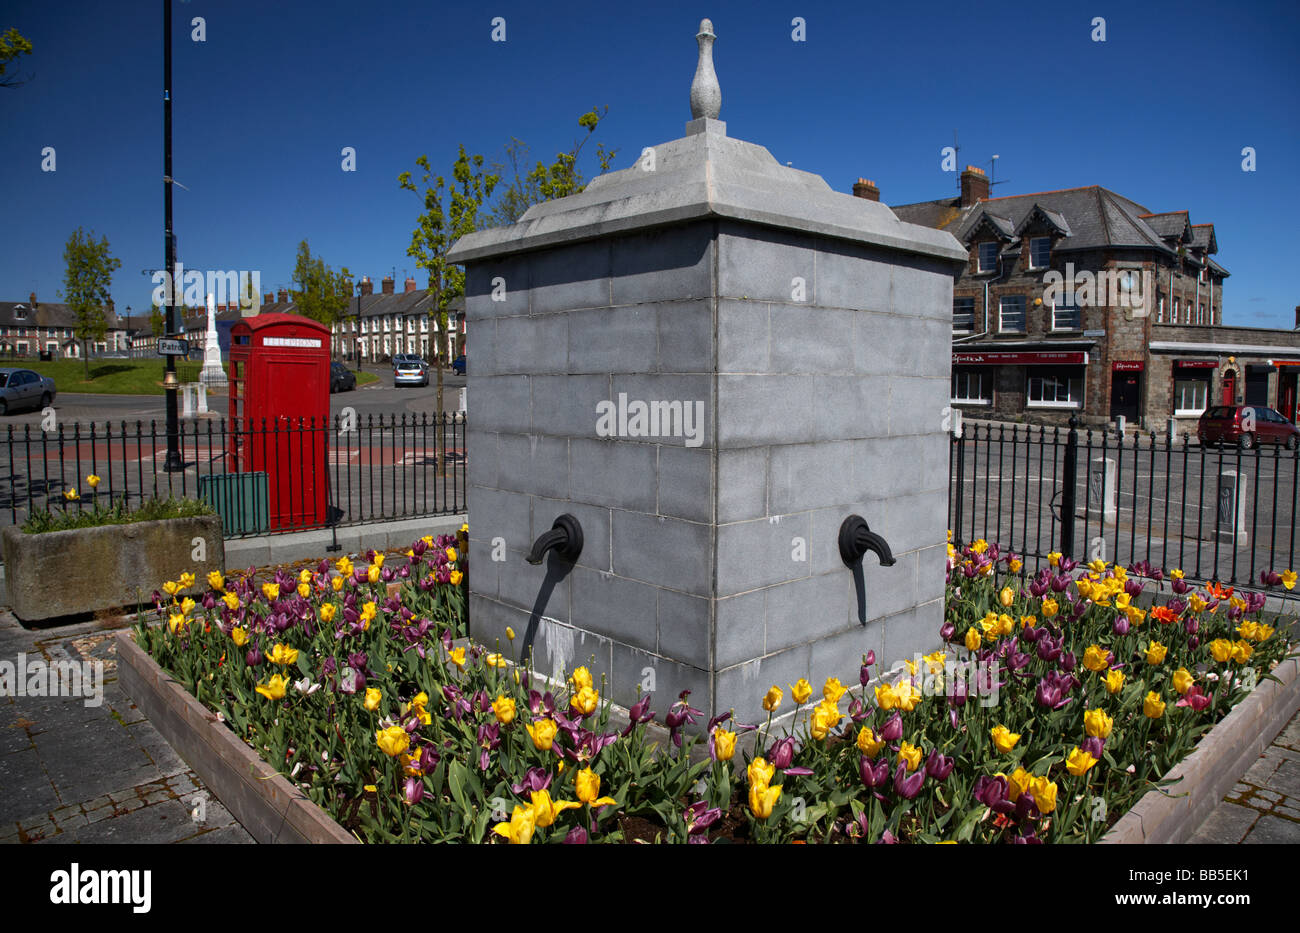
point(856, 538)
point(565, 537)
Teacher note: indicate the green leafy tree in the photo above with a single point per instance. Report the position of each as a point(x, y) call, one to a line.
point(544, 182)
point(320, 293)
point(157, 321)
point(450, 212)
point(12, 45)
point(87, 284)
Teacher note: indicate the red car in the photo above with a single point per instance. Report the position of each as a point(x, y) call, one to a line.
point(1231, 424)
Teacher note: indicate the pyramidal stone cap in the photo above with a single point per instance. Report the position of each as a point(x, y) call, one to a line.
point(706, 174)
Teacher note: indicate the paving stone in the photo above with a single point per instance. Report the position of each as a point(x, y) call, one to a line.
point(164, 757)
point(1290, 736)
point(1290, 812)
point(1273, 830)
point(165, 822)
point(226, 835)
point(1263, 768)
point(1241, 789)
point(25, 788)
point(1227, 824)
point(1286, 779)
point(155, 793)
point(1271, 796)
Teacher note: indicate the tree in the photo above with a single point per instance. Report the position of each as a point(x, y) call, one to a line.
point(440, 226)
point(87, 284)
point(157, 321)
point(12, 45)
point(545, 182)
point(321, 294)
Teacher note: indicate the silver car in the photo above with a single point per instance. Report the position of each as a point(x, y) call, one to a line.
point(410, 370)
point(22, 388)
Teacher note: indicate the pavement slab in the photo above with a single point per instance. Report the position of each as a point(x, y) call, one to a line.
point(1264, 806)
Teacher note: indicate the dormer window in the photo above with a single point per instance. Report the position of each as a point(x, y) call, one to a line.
point(20, 312)
point(988, 257)
point(1040, 252)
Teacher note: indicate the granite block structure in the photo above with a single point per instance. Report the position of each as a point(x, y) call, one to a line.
point(709, 361)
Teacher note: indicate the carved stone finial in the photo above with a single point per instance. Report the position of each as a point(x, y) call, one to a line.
point(706, 95)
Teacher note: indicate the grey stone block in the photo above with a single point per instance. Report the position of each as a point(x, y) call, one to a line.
point(657, 265)
point(809, 476)
point(681, 406)
point(542, 588)
point(613, 340)
point(742, 483)
point(499, 513)
point(922, 287)
point(911, 632)
point(917, 405)
point(1273, 830)
point(533, 344)
point(503, 402)
point(761, 552)
point(25, 788)
point(1226, 825)
point(566, 406)
point(840, 655)
point(614, 472)
point(849, 408)
point(533, 463)
point(742, 686)
point(685, 336)
point(744, 336)
point(810, 609)
point(571, 277)
point(741, 628)
point(685, 478)
point(761, 265)
point(852, 277)
point(558, 649)
point(634, 668)
point(684, 630)
point(481, 450)
point(480, 285)
point(666, 551)
point(810, 339)
point(625, 610)
point(766, 409)
point(901, 344)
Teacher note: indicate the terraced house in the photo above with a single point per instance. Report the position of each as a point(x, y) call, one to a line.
point(1085, 302)
point(31, 329)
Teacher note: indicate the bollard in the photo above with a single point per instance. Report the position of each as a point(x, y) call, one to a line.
point(1101, 487)
point(1231, 519)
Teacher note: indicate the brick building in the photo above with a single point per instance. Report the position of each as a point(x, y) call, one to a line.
point(1082, 301)
point(30, 328)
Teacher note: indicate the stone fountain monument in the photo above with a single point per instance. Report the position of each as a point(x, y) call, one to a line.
point(704, 387)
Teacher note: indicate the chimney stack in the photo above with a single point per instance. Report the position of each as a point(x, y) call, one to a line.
point(367, 286)
point(387, 285)
point(1297, 312)
point(282, 296)
point(268, 298)
point(974, 186)
point(865, 188)
point(410, 286)
point(31, 302)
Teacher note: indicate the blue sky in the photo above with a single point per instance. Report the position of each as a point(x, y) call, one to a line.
point(1159, 112)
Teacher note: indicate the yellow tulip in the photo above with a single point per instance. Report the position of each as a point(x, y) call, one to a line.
point(973, 639)
point(336, 583)
point(825, 717)
point(581, 677)
point(585, 701)
point(1153, 707)
point(1096, 658)
point(1288, 579)
point(1015, 564)
point(510, 633)
point(588, 785)
point(868, 744)
point(171, 588)
point(1004, 739)
point(542, 733)
point(772, 699)
point(1007, 597)
point(1044, 792)
point(327, 612)
point(1155, 652)
point(373, 696)
point(1114, 681)
point(1183, 680)
point(1079, 762)
point(1097, 724)
point(762, 799)
point(504, 708)
point(344, 566)
point(760, 772)
point(1054, 558)
point(724, 744)
point(231, 601)
point(832, 690)
point(1263, 632)
point(379, 560)
point(372, 573)
point(92, 481)
point(282, 654)
point(1221, 650)
point(216, 580)
point(1050, 607)
point(519, 830)
point(801, 691)
point(546, 810)
point(1241, 652)
point(271, 590)
point(239, 636)
point(885, 697)
point(451, 554)
point(393, 741)
point(275, 688)
point(906, 696)
point(455, 577)
point(176, 623)
point(1247, 630)
point(457, 657)
point(910, 755)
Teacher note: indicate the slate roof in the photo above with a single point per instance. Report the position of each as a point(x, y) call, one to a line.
point(47, 314)
point(1094, 216)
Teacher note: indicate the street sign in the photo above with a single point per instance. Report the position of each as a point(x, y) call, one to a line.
point(170, 346)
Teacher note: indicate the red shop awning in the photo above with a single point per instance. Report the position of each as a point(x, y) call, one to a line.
point(1011, 358)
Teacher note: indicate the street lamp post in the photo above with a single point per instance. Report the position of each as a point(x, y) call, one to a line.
point(173, 463)
point(130, 344)
point(356, 331)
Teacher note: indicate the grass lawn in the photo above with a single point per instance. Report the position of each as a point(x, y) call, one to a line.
point(122, 377)
point(364, 378)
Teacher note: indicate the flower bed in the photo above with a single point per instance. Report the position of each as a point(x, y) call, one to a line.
point(1058, 703)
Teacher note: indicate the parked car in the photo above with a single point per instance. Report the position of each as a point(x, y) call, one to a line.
point(410, 370)
point(1227, 424)
point(342, 379)
point(458, 365)
point(22, 388)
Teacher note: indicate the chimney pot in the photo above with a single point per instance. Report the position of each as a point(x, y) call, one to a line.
point(367, 286)
point(387, 285)
point(974, 186)
point(283, 296)
point(866, 188)
point(410, 286)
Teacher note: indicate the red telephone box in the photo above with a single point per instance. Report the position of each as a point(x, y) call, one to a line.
point(279, 413)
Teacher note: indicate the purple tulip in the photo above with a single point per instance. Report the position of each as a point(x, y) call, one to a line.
point(1133, 588)
point(1093, 746)
point(873, 774)
point(1194, 642)
point(939, 766)
point(1031, 634)
point(892, 730)
point(958, 692)
point(1121, 626)
point(781, 754)
point(253, 657)
point(699, 817)
point(1178, 586)
point(1068, 662)
point(908, 786)
point(535, 779)
point(413, 790)
point(992, 792)
point(1049, 649)
point(947, 632)
point(576, 837)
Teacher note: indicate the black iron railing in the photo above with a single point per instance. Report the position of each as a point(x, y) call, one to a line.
point(1216, 513)
point(263, 475)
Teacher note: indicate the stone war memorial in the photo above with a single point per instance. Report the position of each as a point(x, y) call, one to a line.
point(708, 441)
